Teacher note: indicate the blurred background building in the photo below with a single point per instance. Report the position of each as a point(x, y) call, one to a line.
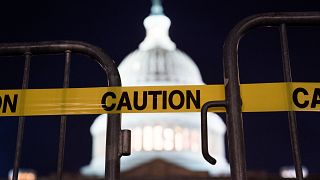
point(161, 139)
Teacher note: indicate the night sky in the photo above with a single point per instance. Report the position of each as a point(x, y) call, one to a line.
point(198, 28)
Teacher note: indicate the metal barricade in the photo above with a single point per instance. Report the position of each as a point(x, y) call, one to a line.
point(117, 142)
point(232, 87)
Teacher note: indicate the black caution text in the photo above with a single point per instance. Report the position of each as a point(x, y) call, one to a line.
point(303, 98)
point(140, 100)
point(8, 103)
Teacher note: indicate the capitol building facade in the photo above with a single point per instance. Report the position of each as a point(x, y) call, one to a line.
point(171, 137)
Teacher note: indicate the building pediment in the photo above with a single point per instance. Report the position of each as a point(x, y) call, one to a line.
point(159, 168)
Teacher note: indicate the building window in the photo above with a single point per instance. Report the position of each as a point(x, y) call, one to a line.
point(147, 138)
point(159, 138)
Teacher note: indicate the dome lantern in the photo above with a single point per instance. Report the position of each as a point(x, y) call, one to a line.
point(157, 29)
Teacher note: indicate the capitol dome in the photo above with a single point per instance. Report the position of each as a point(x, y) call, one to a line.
point(158, 66)
point(173, 137)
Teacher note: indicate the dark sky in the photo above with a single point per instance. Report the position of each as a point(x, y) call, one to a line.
point(198, 28)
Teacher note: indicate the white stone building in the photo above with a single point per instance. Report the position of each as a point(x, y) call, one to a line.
point(172, 137)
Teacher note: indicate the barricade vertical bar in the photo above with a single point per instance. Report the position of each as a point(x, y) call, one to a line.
point(20, 133)
point(63, 121)
point(112, 166)
point(291, 114)
point(113, 146)
point(233, 108)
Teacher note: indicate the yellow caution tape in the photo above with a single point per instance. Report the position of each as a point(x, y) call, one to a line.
point(262, 97)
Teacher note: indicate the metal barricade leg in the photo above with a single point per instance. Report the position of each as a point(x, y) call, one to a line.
point(21, 122)
point(291, 114)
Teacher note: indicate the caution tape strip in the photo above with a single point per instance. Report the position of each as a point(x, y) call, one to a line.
point(261, 97)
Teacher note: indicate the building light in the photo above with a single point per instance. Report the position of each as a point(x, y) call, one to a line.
point(186, 136)
point(24, 174)
point(137, 139)
point(147, 138)
point(194, 141)
point(168, 135)
point(289, 172)
point(178, 139)
point(157, 138)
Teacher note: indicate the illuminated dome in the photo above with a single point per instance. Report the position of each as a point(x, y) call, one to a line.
point(158, 66)
point(157, 60)
point(173, 137)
